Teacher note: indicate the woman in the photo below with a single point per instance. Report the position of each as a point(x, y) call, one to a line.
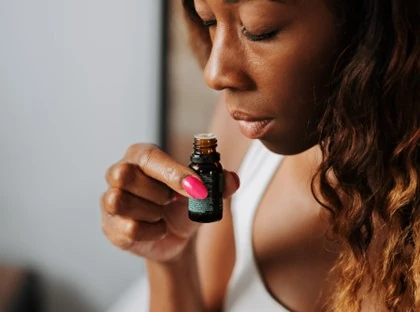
point(328, 213)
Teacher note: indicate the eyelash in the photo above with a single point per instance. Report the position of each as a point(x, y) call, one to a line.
point(250, 36)
point(259, 37)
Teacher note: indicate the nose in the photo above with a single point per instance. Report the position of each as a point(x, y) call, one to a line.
point(226, 66)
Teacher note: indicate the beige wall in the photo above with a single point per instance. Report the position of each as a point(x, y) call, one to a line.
point(190, 100)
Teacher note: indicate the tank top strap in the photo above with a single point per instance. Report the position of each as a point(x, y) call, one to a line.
point(256, 172)
point(246, 290)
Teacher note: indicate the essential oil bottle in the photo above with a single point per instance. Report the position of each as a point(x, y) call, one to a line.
point(205, 161)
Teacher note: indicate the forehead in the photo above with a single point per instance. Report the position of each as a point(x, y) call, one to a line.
point(240, 1)
point(234, 3)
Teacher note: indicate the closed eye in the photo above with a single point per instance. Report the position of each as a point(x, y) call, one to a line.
point(259, 37)
point(248, 35)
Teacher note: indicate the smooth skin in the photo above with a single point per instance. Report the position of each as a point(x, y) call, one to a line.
point(279, 77)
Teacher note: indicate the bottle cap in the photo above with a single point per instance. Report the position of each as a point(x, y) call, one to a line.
point(205, 136)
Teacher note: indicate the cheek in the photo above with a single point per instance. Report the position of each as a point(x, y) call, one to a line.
point(287, 83)
point(292, 72)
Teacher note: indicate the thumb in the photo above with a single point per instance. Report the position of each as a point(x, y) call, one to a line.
point(232, 183)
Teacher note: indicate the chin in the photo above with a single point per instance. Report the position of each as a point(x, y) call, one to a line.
point(287, 147)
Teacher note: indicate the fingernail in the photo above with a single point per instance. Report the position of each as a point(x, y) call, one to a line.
point(194, 187)
point(237, 180)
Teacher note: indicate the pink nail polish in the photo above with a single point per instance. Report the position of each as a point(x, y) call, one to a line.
point(194, 187)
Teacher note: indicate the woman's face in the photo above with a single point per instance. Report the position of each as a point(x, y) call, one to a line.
point(270, 59)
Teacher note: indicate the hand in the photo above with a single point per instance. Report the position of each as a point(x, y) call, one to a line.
point(145, 210)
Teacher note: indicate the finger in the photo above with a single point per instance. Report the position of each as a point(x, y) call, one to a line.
point(231, 183)
point(160, 166)
point(130, 178)
point(118, 202)
point(123, 232)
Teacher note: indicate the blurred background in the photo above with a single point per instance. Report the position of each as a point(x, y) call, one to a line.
point(81, 80)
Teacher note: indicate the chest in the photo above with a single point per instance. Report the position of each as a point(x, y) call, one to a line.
point(291, 250)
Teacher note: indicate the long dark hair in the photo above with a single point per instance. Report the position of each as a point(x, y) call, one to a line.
point(369, 136)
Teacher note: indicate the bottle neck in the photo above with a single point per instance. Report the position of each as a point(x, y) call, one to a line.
point(204, 149)
point(200, 150)
point(204, 146)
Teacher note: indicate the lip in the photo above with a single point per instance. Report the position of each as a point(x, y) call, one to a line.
point(238, 115)
point(253, 127)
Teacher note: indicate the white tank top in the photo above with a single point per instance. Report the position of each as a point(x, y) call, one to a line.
point(246, 290)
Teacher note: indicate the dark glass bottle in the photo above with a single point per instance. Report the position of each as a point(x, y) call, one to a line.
point(205, 161)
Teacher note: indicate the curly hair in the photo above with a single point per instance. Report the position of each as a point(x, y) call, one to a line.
point(369, 134)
